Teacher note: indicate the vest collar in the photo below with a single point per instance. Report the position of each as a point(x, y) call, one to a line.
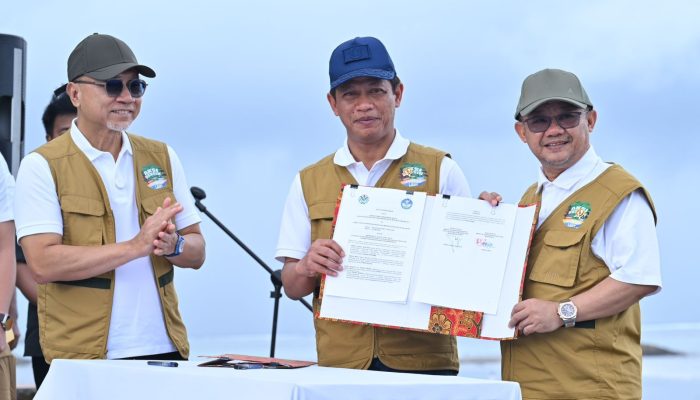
point(398, 149)
point(92, 153)
point(569, 178)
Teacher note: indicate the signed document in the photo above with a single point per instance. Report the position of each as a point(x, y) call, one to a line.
point(466, 240)
point(411, 259)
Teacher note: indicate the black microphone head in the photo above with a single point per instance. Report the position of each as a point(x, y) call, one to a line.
point(198, 193)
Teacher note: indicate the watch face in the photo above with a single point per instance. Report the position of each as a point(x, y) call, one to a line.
point(567, 310)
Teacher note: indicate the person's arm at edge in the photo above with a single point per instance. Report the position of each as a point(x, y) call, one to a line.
point(7, 270)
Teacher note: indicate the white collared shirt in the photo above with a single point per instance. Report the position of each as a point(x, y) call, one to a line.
point(7, 191)
point(137, 326)
point(295, 229)
point(627, 241)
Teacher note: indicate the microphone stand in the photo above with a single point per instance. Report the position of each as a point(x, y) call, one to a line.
point(275, 276)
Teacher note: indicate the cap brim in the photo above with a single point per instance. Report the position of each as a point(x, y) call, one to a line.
point(532, 106)
point(360, 73)
point(116, 69)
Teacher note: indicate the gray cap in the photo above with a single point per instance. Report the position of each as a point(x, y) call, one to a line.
point(548, 85)
point(103, 57)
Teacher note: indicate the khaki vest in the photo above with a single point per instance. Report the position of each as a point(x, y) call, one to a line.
point(74, 316)
point(599, 359)
point(354, 346)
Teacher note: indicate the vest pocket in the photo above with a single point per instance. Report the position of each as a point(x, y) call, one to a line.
point(321, 216)
point(557, 262)
point(82, 220)
point(151, 204)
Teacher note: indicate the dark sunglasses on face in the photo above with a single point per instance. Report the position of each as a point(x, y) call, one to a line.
point(114, 87)
point(541, 123)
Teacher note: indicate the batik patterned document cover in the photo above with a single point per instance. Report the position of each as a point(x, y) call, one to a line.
point(443, 320)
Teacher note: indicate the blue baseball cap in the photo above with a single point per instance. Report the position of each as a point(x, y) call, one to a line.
point(359, 57)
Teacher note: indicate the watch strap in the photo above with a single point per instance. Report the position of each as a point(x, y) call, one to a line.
point(179, 245)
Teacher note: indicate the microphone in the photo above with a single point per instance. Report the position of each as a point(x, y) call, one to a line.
point(198, 195)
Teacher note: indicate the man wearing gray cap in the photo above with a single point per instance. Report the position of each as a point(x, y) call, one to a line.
point(364, 93)
point(103, 216)
point(594, 255)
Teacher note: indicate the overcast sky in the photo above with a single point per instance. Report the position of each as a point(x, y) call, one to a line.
point(240, 95)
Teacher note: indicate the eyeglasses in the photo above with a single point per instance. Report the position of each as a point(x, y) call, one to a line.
point(541, 123)
point(114, 87)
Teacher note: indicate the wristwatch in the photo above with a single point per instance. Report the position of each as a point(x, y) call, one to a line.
point(5, 321)
point(567, 312)
point(179, 246)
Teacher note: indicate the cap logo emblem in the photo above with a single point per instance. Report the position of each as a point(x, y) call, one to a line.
point(356, 53)
point(577, 214)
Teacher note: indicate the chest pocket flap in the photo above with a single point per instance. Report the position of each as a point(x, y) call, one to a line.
point(82, 220)
point(151, 204)
point(557, 262)
point(321, 215)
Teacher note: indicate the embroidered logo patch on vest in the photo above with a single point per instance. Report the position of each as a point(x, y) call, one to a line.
point(413, 174)
point(154, 176)
point(578, 212)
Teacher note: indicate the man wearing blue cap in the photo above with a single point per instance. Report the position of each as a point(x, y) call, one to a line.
point(364, 93)
point(103, 217)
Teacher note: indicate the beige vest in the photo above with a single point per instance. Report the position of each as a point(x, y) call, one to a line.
point(74, 316)
point(598, 359)
point(354, 346)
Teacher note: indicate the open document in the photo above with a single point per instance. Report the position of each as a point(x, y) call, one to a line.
point(433, 263)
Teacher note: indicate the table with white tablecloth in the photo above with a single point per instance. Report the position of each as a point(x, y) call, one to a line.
point(122, 379)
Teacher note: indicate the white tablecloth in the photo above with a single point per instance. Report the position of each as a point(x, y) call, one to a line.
point(116, 379)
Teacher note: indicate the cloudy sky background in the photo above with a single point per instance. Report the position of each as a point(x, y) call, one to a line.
point(240, 95)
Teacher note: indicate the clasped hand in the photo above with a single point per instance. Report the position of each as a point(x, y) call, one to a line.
point(158, 234)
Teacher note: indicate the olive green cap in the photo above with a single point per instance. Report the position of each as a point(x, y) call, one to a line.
point(548, 85)
point(103, 57)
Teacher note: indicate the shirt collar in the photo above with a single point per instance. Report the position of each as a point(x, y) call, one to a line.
point(343, 157)
point(572, 175)
point(90, 152)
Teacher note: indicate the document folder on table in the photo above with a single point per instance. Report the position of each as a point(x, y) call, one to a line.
point(442, 264)
point(234, 360)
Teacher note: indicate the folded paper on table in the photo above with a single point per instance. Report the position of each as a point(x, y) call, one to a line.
point(229, 360)
point(462, 274)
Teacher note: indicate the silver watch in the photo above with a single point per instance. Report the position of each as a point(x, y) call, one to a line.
point(567, 312)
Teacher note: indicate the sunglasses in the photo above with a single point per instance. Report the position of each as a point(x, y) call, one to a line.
point(541, 123)
point(114, 87)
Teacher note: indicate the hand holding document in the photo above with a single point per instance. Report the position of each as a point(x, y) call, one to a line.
point(410, 256)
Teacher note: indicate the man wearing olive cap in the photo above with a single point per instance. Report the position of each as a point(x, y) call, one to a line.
point(103, 216)
point(594, 255)
point(364, 93)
